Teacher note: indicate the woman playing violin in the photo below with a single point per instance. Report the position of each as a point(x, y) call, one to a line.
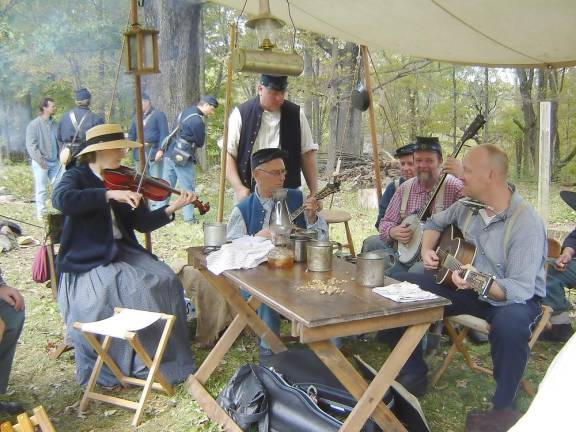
point(103, 266)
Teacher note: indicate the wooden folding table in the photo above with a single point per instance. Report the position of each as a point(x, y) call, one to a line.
point(316, 317)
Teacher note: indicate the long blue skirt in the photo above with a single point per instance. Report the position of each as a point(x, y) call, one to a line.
point(136, 281)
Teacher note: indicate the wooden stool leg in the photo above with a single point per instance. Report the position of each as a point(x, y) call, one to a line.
point(349, 239)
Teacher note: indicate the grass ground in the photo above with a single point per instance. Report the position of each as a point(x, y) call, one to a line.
point(36, 379)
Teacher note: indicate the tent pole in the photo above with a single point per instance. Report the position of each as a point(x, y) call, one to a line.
point(375, 155)
point(139, 116)
point(546, 140)
point(224, 152)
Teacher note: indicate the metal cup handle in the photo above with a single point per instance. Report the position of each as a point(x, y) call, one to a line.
point(336, 246)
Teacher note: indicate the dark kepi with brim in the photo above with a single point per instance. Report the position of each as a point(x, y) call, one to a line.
point(265, 155)
point(569, 198)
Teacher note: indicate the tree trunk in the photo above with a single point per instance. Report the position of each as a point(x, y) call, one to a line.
point(412, 95)
point(530, 128)
point(180, 46)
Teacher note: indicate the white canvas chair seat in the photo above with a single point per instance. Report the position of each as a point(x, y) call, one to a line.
point(123, 325)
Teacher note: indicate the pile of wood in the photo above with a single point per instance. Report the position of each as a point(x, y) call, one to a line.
point(358, 171)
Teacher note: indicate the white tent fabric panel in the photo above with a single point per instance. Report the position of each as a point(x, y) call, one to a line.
point(481, 32)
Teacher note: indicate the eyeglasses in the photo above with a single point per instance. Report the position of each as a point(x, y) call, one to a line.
point(275, 173)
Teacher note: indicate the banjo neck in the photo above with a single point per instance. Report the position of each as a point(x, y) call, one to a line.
point(468, 133)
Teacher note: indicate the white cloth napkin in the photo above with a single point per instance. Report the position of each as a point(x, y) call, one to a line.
point(243, 253)
point(404, 292)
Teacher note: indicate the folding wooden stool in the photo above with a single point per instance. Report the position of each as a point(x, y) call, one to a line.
point(28, 424)
point(123, 325)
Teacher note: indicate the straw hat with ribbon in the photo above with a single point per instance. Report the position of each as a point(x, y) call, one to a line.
point(106, 137)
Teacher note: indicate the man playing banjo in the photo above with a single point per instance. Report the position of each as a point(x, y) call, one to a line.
point(411, 197)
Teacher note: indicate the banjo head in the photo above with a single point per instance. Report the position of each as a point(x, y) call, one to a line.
point(410, 252)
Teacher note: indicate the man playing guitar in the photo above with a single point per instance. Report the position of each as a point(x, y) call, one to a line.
point(511, 245)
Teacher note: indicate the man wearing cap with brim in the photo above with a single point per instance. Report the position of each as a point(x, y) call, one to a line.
point(74, 124)
point(180, 155)
point(252, 215)
point(102, 265)
point(405, 157)
point(561, 275)
point(413, 194)
point(155, 130)
point(270, 121)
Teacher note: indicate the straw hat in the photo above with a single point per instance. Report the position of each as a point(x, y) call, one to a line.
point(106, 137)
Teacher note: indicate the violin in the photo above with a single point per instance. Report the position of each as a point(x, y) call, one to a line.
point(152, 188)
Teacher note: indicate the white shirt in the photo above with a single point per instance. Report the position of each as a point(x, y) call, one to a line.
point(269, 133)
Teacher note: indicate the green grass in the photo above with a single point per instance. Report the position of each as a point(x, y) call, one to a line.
point(38, 380)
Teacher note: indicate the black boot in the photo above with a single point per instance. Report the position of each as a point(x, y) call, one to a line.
point(11, 407)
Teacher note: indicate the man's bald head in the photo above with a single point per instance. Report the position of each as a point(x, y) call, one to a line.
point(484, 167)
point(492, 156)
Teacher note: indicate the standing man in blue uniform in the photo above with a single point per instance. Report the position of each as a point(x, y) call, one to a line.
point(180, 160)
point(155, 130)
point(74, 124)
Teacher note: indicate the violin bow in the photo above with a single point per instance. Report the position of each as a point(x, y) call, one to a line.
point(143, 174)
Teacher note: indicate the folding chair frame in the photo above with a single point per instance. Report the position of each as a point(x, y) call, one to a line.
point(457, 338)
point(155, 379)
point(27, 424)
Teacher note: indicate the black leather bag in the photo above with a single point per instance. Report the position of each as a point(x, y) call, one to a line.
point(183, 152)
point(245, 400)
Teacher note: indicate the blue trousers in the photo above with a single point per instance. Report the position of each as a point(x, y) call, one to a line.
point(14, 321)
point(510, 330)
point(186, 175)
point(555, 283)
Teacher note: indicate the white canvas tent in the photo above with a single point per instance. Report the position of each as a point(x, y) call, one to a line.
point(523, 33)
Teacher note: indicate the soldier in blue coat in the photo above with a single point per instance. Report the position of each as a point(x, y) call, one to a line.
point(180, 160)
point(155, 130)
point(74, 124)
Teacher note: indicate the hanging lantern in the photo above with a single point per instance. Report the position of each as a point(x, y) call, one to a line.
point(267, 59)
point(142, 50)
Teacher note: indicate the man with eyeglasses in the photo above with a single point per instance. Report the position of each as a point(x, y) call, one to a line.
point(252, 215)
point(270, 121)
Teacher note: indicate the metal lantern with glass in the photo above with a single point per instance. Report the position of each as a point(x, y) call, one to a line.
point(280, 228)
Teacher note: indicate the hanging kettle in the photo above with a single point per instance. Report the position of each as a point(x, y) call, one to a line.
point(360, 97)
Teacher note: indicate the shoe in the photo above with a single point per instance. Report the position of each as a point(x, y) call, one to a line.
point(417, 384)
point(492, 421)
point(476, 337)
point(11, 408)
point(558, 333)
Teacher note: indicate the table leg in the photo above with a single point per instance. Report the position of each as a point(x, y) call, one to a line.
point(381, 382)
point(355, 384)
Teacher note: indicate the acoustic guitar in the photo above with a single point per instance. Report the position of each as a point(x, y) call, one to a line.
point(454, 252)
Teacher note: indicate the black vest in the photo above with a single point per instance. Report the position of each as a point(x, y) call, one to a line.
point(290, 140)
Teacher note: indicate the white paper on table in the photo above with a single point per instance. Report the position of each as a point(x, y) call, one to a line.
point(404, 292)
point(243, 253)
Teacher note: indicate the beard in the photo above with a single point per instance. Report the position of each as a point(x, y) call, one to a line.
point(424, 176)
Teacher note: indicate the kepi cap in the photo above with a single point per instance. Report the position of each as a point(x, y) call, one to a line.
point(428, 144)
point(274, 82)
point(406, 150)
point(82, 94)
point(210, 100)
point(266, 155)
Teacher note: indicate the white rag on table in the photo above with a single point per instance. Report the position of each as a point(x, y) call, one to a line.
point(403, 292)
point(243, 253)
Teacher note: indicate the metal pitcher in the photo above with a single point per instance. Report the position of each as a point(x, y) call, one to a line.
point(214, 234)
point(371, 268)
point(319, 254)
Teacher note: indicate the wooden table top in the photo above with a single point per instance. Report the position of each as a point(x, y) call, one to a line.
point(285, 290)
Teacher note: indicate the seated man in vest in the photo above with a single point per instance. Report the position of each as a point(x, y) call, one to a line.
point(511, 245)
point(405, 157)
point(252, 215)
point(560, 275)
point(270, 121)
point(412, 195)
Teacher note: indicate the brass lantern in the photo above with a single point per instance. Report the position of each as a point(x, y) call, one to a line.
point(267, 59)
point(142, 50)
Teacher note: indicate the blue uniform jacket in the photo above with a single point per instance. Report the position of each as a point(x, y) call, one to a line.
point(155, 130)
point(192, 129)
point(66, 130)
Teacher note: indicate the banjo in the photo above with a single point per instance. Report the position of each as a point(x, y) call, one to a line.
point(410, 252)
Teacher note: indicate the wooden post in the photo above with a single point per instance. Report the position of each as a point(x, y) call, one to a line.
point(375, 155)
point(139, 117)
point(544, 160)
point(224, 152)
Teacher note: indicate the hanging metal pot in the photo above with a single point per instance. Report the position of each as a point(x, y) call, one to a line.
point(360, 98)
